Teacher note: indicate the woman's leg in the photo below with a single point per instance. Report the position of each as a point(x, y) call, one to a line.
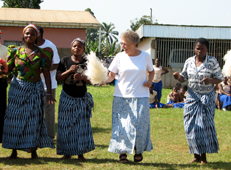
point(137, 157)
point(13, 155)
point(196, 159)
point(81, 158)
point(34, 154)
point(203, 158)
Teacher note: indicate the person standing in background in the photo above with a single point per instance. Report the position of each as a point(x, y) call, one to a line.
point(157, 81)
point(3, 86)
point(49, 108)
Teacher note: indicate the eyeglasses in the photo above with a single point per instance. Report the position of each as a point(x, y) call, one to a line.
point(122, 43)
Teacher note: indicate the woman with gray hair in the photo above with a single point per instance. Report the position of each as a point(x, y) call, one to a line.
point(130, 111)
point(74, 135)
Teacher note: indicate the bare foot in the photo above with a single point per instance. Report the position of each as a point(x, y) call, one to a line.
point(12, 156)
point(66, 157)
point(194, 160)
point(203, 162)
point(81, 158)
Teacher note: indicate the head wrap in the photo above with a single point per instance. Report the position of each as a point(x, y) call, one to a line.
point(80, 40)
point(32, 26)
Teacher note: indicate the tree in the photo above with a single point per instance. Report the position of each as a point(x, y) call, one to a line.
point(35, 4)
point(108, 33)
point(91, 33)
point(136, 23)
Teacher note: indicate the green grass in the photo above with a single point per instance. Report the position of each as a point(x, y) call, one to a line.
point(167, 134)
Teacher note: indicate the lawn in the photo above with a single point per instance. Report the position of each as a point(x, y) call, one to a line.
point(167, 134)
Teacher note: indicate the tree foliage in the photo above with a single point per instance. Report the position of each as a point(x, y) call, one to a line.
point(35, 4)
point(108, 45)
point(136, 23)
point(91, 33)
point(108, 33)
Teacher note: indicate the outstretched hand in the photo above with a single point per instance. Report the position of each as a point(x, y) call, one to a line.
point(176, 75)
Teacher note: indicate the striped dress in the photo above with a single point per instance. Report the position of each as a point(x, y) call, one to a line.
point(199, 109)
point(24, 125)
point(74, 135)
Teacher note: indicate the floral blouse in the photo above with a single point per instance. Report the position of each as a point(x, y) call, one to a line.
point(29, 67)
point(209, 68)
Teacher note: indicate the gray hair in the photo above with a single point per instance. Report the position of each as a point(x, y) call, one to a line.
point(131, 36)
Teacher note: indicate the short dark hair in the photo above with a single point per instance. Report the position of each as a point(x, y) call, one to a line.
point(185, 87)
point(203, 41)
point(41, 31)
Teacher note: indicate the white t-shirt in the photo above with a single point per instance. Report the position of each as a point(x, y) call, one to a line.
point(55, 60)
point(3, 52)
point(131, 74)
point(157, 76)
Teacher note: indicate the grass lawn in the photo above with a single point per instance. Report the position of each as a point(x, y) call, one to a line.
point(167, 134)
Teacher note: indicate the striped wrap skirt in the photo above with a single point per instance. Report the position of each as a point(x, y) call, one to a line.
point(130, 125)
point(24, 124)
point(199, 111)
point(74, 135)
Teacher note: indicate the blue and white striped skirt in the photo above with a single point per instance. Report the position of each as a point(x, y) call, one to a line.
point(199, 111)
point(130, 125)
point(74, 128)
point(24, 125)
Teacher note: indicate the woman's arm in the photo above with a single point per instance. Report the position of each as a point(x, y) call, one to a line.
point(178, 77)
point(150, 77)
point(46, 73)
point(165, 71)
point(60, 76)
point(207, 80)
point(110, 78)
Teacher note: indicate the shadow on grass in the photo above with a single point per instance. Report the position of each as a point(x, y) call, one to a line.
point(100, 130)
point(75, 161)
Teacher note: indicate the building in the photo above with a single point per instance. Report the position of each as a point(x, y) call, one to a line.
point(60, 26)
point(173, 44)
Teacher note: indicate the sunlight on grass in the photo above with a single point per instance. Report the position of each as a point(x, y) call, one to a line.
point(167, 134)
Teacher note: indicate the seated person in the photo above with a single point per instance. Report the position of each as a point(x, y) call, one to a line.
point(225, 93)
point(178, 86)
point(217, 93)
point(153, 102)
point(174, 96)
point(182, 94)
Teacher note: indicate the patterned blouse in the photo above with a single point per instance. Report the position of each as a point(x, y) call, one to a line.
point(29, 67)
point(209, 68)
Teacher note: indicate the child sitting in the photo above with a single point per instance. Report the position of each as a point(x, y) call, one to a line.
point(153, 102)
point(174, 96)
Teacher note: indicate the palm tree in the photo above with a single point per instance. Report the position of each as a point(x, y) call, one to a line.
point(108, 33)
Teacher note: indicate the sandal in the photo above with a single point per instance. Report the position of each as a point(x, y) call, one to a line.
point(138, 157)
point(123, 158)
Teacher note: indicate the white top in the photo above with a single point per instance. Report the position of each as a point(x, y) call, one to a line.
point(226, 88)
point(152, 97)
point(3, 52)
point(55, 60)
point(157, 76)
point(131, 74)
